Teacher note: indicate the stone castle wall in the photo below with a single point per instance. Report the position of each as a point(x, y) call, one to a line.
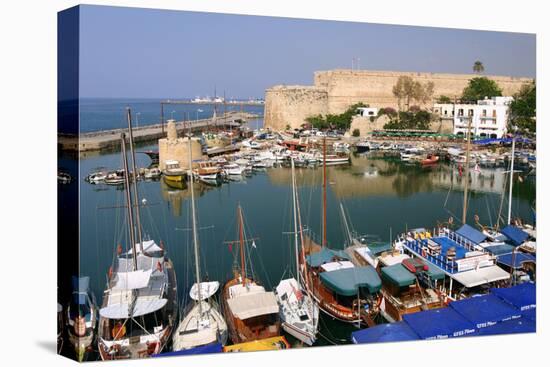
point(335, 90)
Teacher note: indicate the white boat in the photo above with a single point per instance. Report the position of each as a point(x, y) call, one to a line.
point(233, 169)
point(96, 177)
point(299, 314)
point(333, 159)
point(202, 323)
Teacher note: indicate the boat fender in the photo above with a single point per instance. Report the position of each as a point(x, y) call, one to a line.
point(119, 249)
point(79, 326)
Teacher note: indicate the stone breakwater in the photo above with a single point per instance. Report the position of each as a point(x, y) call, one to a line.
point(335, 90)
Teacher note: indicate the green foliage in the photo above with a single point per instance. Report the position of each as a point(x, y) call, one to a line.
point(479, 88)
point(331, 121)
point(444, 99)
point(356, 133)
point(409, 120)
point(523, 108)
point(407, 90)
point(478, 67)
point(287, 128)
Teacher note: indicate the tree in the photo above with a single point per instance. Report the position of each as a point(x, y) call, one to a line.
point(523, 108)
point(478, 67)
point(444, 100)
point(331, 121)
point(479, 88)
point(416, 119)
point(406, 89)
point(356, 133)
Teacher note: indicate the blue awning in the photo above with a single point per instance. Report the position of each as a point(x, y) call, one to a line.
point(530, 314)
point(471, 234)
point(398, 331)
point(515, 326)
point(204, 349)
point(500, 249)
point(347, 282)
point(484, 311)
point(325, 256)
point(515, 234)
point(522, 296)
point(520, 258)
point(440, 323)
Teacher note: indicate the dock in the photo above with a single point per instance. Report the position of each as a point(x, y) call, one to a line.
point(110, 139)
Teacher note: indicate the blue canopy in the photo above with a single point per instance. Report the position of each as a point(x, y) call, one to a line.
point(515, 326)
point(500, 249)
point(501, 140)
point(520, 258)
point(203, 349)
point(398, 331)
point(324, 256)
point(515, 234)
point(471, 234)
point(347, 282)
point(487, 310)
point(522, 296)
point(440, 323)
point(530, 314)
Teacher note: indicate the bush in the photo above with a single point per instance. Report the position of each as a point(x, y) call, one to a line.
point(411, 120)
point(355, 133)
point(444, 100)
point(330, 121)
point(479, 88)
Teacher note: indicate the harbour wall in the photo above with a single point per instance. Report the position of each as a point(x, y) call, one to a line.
point(334, 91)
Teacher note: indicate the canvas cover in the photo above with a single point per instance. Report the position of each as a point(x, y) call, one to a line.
point(203, 349)
point(252, 305)
point(485, 311)
point(398, 275)
point(518, 259)
point(516, 326)
point(393, 332)
point(488, 274)
point(208, 289)
point(347, 282)
point(142, 307)
point(516, 235)
point(440, 323)
point(522, 296)
point(324, 256)
point(132, 280)
point(471, 234)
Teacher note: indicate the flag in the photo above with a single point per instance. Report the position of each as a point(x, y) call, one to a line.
point(254, 244)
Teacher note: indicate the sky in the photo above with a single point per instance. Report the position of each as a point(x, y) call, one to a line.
point(145, 53)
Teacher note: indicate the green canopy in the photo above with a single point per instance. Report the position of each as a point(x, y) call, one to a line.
point(434, 272)
point(379, 247)
point(398, 275)
point(346, 282)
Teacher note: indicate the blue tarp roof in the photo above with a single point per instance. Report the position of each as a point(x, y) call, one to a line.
point(500, 249)
point(398, 331)
point(439, 324)
point(501, 140)
point(324, 256)
point(471, 234)
point(486, 310)
point(515, 234)
point(522, 296)
point(347, 282)
point(530, 314)
point(204, 349)
point(520, 258)
point(515, 326)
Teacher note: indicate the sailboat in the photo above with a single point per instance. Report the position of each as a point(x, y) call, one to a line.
point(140, 300)
point(299, 314)
point(203, 323)
point(251, 312)
point(342, 290)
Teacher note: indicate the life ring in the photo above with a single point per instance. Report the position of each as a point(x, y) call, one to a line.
point(119, 330)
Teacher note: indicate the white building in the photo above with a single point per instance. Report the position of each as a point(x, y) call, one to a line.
point(489, 116)
point(367, 111)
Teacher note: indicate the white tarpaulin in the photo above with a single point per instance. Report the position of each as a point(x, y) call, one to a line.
point(132, 279)
point(245, 307)
point(142, 307)
point(208, 289)
point(148, 246)
point(472, 278)
point(337, 265)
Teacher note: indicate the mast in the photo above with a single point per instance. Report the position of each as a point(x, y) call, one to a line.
point(128, 201)
point(511, 179)
point(241, 244)
point(295, 218)
point(324, 242)
point(467, 170)
point(134, 178)
point(195, 237)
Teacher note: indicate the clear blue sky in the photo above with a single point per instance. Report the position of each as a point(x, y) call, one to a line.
point(127, 52)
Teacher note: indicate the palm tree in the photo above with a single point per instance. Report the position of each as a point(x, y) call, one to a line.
point(478, 67)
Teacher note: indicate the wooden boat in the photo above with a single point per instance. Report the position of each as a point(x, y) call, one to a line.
point(81, 317)
point(299, 314)
point(173, 172)
point(208, 170)
point(342, 290)
point(251, 312)
point(202, 323)
point(274, 343)
point(140, 300)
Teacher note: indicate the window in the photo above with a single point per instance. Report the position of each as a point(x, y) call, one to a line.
point(494, 113)
point(461, 112)
point(445, 112)
point(470, 112)
point(484, 113)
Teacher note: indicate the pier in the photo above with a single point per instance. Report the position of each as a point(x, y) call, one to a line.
point(110, 139)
